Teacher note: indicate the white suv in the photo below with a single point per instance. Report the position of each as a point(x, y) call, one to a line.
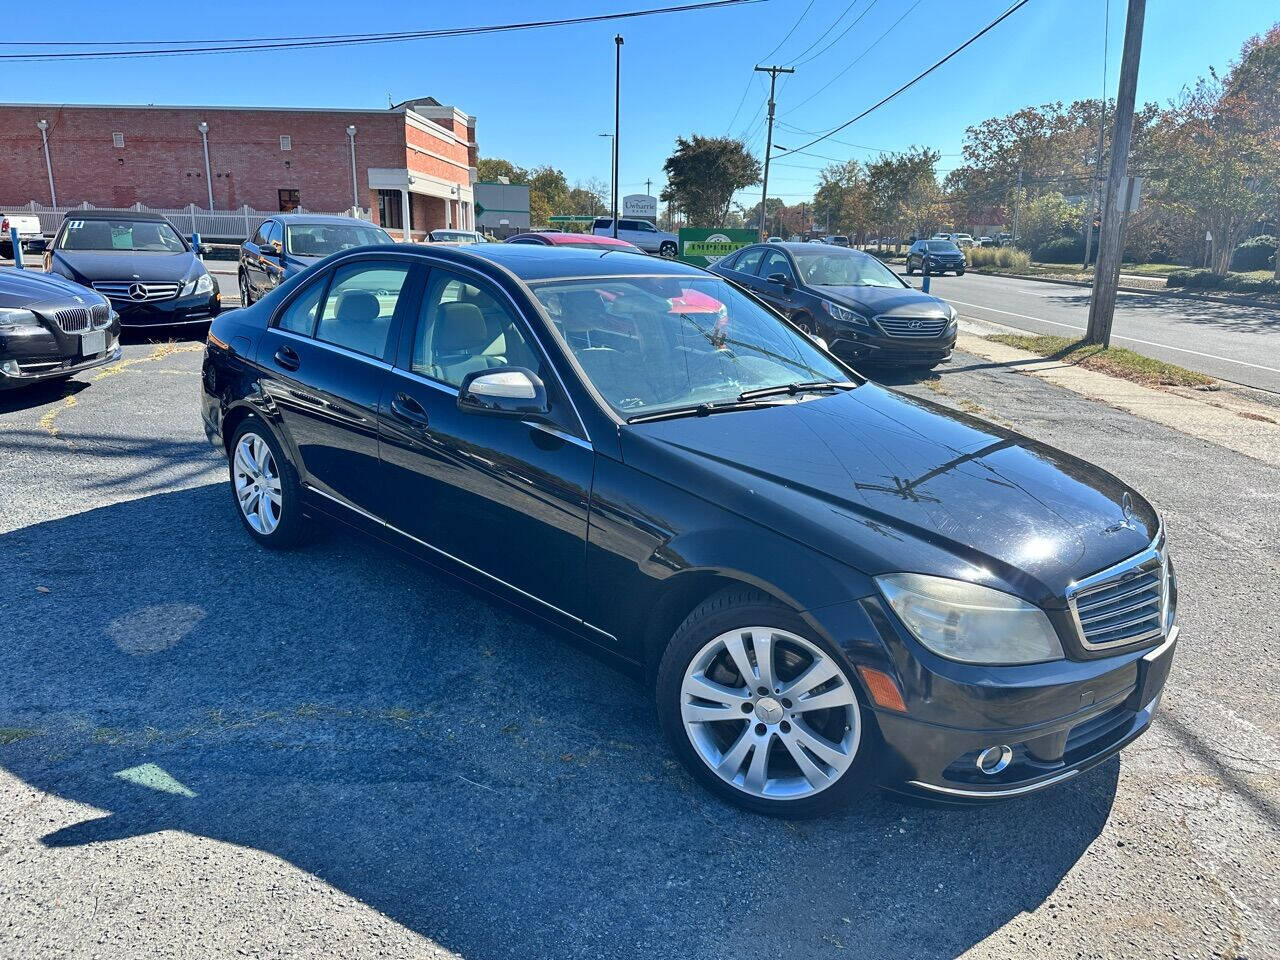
point(640, 232)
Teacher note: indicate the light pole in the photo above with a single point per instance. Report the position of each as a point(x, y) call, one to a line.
point(355, 189)
point(208, 177)
point(48, 164)
point(613, 170)
point(617, 119)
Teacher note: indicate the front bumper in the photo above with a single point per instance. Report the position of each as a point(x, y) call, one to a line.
point(864, 345)
point(940, 762)
point(198, 308)
point(30, 354)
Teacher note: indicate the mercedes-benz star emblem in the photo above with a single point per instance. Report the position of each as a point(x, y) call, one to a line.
point(137, 291)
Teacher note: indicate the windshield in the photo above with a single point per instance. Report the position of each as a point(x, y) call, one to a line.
point(843, 268)
point(322, 239)
point(137, 235)
point(453, 236)
point(941, 246)
point(656, 343)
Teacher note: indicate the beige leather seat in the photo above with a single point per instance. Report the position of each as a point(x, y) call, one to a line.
point(459, 339)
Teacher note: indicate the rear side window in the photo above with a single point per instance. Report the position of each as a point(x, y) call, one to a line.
point(300, 316)
point(361, 303)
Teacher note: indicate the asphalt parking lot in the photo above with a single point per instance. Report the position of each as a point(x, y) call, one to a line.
point(208, 749)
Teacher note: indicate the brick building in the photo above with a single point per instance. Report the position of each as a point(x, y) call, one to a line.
point(414, 161)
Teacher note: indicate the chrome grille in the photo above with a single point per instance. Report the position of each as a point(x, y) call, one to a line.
point(81, 319)
point(136, 291)
point(1124, 604)
point(921, 327)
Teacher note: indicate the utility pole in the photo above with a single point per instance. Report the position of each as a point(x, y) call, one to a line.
point(768, 142)
point(617, 114)
point(1017, 207)
point(1102, 304)
point(1095, 188)
point(647, 183)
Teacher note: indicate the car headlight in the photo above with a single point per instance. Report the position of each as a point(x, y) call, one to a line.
point(951, 314)
point(18, 318)
point(844, 313)
point(970, 623)
point(201, 284)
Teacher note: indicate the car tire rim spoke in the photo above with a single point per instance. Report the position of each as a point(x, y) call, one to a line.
point(257, 484)
point(770, 713)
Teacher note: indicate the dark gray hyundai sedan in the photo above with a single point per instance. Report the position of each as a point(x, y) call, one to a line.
point(51, 328)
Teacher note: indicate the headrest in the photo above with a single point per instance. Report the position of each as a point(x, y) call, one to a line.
point(460, 328)
point(357, 306)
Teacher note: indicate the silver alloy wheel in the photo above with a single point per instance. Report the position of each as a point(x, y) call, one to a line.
point(257, 483)
point(753, 724)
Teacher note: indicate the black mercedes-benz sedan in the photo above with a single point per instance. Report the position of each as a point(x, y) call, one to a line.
point(862, 310)
point(51, 328)
point(139, 262)
point(830, 585)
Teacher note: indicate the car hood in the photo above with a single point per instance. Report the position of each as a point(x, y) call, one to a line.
point(85, 266)
point(887, 482)
point(26, 288)
point(886, 300)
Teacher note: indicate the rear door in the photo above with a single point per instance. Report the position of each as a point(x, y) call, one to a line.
point(506, 497)
point(325, 361)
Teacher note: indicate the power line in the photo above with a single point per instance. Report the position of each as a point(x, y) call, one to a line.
point(827, 32)
point(856, 21)
point(920, 76)
point(339, 40)
point(804, 14)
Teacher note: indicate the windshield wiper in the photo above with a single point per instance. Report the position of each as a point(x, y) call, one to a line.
point(698, 410)
point(811, 386)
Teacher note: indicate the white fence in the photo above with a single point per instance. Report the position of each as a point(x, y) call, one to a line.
point(232, 225)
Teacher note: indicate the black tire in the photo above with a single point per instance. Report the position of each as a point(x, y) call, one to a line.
point(291, 526)
point(959, 273)
point(246, 299)
point(725, 611)
point(667, 250)
point(910, 269)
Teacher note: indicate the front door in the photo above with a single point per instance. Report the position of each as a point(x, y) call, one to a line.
point(325, 360)
point(507, 498)
point(778, 295)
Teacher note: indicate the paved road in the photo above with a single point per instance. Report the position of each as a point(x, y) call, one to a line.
point(208, 749)
point(1236, 343)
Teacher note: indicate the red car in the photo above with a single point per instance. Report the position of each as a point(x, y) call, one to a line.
point(583, 241)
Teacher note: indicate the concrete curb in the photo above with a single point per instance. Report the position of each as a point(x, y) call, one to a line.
point(1177, 294)
point(1224, 419)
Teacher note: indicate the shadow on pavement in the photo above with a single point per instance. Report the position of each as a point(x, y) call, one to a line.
point(17, 399)
point(460, 770)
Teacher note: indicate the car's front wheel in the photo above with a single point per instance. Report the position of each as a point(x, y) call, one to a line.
point(910, 269)
point(668, 250)
point(245, 299)
point(265, 486)
point(760, 711)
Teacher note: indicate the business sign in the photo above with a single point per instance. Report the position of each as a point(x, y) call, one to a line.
point(702, 247)
point(640, 205)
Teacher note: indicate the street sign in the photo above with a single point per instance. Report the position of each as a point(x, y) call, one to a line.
point(702, 247)
point(1132, 193)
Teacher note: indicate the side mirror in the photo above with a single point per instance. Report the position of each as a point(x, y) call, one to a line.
point(503, 392)
point(268, 250)
point(779, 278)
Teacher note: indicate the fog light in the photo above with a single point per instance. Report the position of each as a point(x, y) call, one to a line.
point(994, 759)
point(10, 367)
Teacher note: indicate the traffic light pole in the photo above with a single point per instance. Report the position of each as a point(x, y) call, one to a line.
point(1102, 304)
point(768, 143)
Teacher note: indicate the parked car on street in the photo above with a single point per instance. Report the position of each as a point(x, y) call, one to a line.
point(642, 233)
point(1004, 239)
point(943, 256)
point(838, 240)
point(829, 585)
point(289, 243)
point(147, 270)
point(455, 236)
point(584, 241)
point(986, 242)
point(52, 328)
point(962, 239)
point(860, 308)
point(29, 234)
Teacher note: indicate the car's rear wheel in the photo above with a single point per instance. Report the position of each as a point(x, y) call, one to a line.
point(910, 269)
point(760, 711)
point(245, 299)
point(668, 250)
point(265, 486)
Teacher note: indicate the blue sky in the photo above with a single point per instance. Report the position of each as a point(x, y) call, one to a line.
point(544, 96)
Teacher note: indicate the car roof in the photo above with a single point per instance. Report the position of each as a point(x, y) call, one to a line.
point(590, 238)
point(533, 262)
point(317, 218)
point(798, 245)
point(141, 216)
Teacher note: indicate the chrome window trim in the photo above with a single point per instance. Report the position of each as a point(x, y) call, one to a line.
point(444, 553)
point(1154, 552)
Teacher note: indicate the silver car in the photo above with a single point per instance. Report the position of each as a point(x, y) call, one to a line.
point(640, 232)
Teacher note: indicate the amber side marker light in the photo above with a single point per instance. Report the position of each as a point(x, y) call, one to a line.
point(882, 688)
point(216, 342)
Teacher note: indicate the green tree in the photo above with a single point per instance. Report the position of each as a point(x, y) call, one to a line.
point(1046, 218)
point(491, 168)
point(704, 173)
point(903, 192)
point(843, 198)
point(548, 194)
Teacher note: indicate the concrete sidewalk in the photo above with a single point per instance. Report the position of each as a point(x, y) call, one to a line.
point(1221, 417)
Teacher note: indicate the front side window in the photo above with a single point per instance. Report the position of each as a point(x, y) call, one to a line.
point(654, 343)
point(322, 239)
point(274, 234)
point(361, 302)
point(464, 327)
point(776, 262)
point(843, 268)
point(143, 236)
